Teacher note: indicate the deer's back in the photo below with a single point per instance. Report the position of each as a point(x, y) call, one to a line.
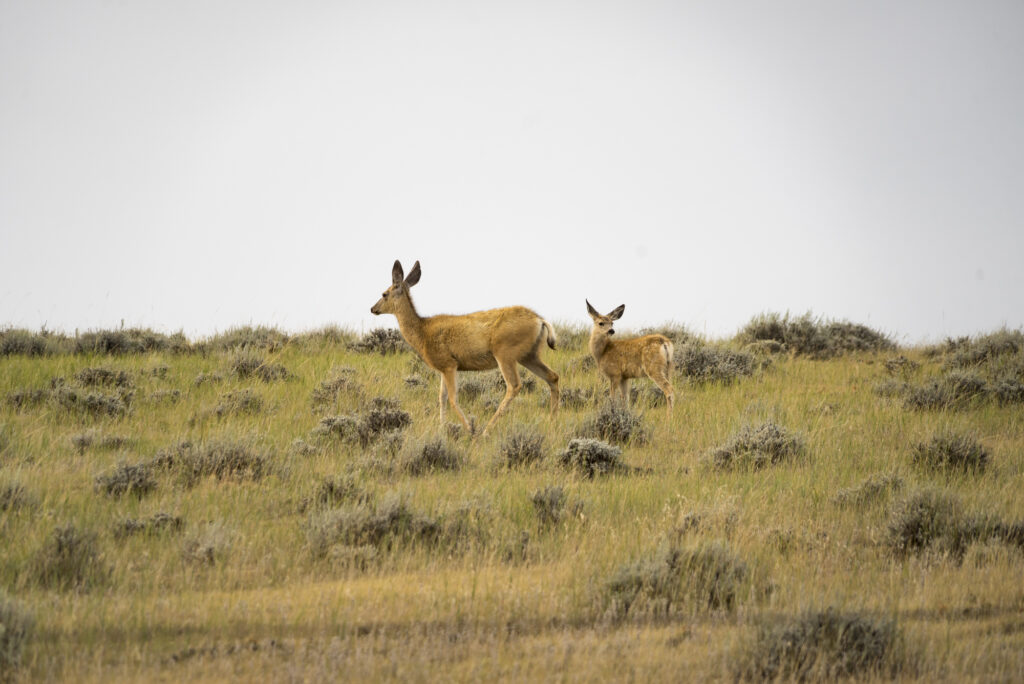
point(472, 340)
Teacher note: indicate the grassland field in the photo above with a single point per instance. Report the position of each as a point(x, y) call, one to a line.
point(289, 508)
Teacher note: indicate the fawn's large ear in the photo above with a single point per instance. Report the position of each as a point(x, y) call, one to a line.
point(591, 310)
point(617, 312)
point(414, 275)
point(397, 273)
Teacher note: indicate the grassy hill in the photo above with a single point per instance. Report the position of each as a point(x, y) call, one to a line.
point(263, 505)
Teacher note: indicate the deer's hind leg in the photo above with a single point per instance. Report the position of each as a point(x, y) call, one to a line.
point(533, 364)
point(510, 372)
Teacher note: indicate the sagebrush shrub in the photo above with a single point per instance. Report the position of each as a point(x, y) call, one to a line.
point(367, 524)
point(820, 646)
point(248, 365)
point(16, 627)
point(223, 460)
point(872, 489)
point(14, 496)
point(814, 337)
point(328, 390)
point(522, 446)
point(381, 341)
point(208, 545)
point(928, 520)
point(592, 457)
point(950, 451)
point(136, 480)
point(420, 458)
point(240, 402)
point(103, 377)
point(332, 491)
point(757, 447)
point(551, 505)
point(71, 559)
point(616, 423)
point(704, 363)
point(706, 577)
point(247, 338)
point(157, 523)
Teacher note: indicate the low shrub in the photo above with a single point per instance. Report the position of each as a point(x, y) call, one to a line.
point(931, 521)
point(327, 391)
point(704, 363)
point(136, 480)
point(240, 402)
point(208, 545)
point(874, 488)
point(381, 341)
point(984, 350)
point(332, 491)
point(757, 447)
point(129, 341)
point(208, 379)
point(14, 496)
point(901, 366)
point(247, 338)
point(27, 398)
point(592, 457)
point(18, 341)
point(948, 451)
point(246, 365)
point(552, 505)
point(381, 526)
point(814, 337)
point(71, 559)
point(615, 423)
point(573, 398)
point(821, 646)
point(91, 404)
point(156, 524)
point(705, 578)
point(521, 446)
point(420, 458)
point(16, 627)
point(103, 377)
point(220, 459)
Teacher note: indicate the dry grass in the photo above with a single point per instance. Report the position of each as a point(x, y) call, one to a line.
point(270, 550)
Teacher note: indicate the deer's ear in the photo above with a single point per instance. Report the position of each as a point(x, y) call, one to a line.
point(414, 275)
point(617, 312)
point(591, 310)
point(397, 273)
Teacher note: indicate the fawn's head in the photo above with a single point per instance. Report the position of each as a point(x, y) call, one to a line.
point(399, 290)
point(603, 324)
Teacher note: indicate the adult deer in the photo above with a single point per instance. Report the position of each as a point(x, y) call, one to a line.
point(477, 341)
point(622, 360)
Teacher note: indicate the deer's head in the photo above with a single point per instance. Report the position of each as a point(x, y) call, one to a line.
point(399, 290)
point(603, 325)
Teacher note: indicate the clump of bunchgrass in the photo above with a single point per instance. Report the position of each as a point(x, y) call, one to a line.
point(592, 457)
point(706, 577)
point(521, 447)
point(224, 460)
point(16, 627)
point(436, 455)
point(617, 423)
point(705, 363)
point(70, 559)
point(158, 523)
point(948, 451)
point(381, 341)
point(757, 447)
point(875, 488)
point(127, 479)
point(821, 646)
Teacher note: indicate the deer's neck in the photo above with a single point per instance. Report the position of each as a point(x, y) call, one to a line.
point(410, 323)
point(598, 345)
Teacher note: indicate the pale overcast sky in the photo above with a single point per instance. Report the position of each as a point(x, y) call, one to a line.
point(198, 165)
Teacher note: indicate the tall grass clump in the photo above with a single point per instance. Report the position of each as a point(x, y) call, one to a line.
point(815, 338)
point(706, 577)
point(821, 646)
point(16, 627)
point(757, 447)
